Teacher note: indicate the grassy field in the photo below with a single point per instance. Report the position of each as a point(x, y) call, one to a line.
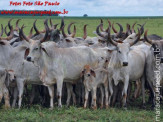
point(40, 114)
point(154, 25)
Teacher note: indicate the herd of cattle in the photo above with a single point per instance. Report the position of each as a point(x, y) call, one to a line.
point(106, 65)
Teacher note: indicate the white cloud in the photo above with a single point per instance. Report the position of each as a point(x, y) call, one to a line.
point(99, 7)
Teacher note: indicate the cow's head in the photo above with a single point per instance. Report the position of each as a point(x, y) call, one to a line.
point(122, 49)
point(10, 78)
point(103, 62)
point(88, 75)
point(157, 46)
point(68, 39)
point(35, 49)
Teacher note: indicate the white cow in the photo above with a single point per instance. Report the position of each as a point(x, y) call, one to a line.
point(58, 64)
point(126, 65)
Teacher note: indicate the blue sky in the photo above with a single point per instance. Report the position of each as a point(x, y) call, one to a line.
point(98, 7)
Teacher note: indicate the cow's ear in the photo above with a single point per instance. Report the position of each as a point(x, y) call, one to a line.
point(99, 40)
point(82, 75)
point(110, 51)
point(2, 43)
point(26, 53)
point(93, 73)
point(44, 50)
point(68, 40)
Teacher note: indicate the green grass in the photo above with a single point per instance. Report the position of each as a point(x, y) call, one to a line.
point(40, 114)
point(154, 24)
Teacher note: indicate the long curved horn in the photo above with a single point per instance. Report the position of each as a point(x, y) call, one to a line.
point(17, 26)
point(9, 24)
point(148, 40)
point(1, 30)
point(46, 22)
point(115, 31)
point(133, 31)
point(85, 31)
point(110, 39)
point(120, 31)
point(62, 23)
point(30, 33)
point(46, 33)
point(101, 27)
point(98, 32)
point(6, 31)
point(10, 36)
point(68, 28)
point(142, 28)
point(35, 28)
point(51, 23)
point(22, 35)
point(63, 32)
point(108, 26)
point(55, 26)
point(137, 39)
point(74, 32)
point(128, 32)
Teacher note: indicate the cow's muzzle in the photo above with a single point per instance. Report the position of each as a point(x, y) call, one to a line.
point(28, 58)
point(125, 63)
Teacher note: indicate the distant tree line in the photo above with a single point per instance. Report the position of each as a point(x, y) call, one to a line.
point(24, 13)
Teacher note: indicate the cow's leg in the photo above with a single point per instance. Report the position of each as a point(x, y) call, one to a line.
point(106, 95)
point(110, 90)
point(94, 98)
point(32, 94)
point(129, 92)
point(86, 98)
point(124, 92)
point(59, 91)
point(6, 97)
point(69, 88)
point(102, 97)
point(143, 89)
point(1, 95)
point(20, 86)
point(73, 95)
point(51, 94)
point(15, 95)
point(137, 89)
point(115, 94)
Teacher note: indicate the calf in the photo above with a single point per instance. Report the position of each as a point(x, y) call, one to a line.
point(6, 77)
point(93, 79)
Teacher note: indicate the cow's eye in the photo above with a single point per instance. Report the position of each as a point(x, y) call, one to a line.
point(36, 48)
point(119, 51)
point(130, 38)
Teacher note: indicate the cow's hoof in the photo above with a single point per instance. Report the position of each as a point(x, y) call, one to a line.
point(101, 107)
point(107, 107)
point(59, 106)
point(94, 107)
point(7, 106)
point(51, 108)
point(143, 106)
point(124, 108)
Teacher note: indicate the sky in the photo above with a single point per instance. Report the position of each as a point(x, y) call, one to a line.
point(97, 7)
